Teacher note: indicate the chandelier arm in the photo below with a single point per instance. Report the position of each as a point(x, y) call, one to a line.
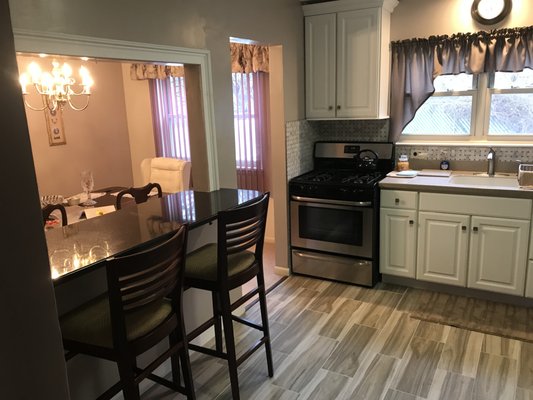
point(33, 108)
point(76, 108)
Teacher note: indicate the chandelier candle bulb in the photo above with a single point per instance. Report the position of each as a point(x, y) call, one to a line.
point(58, 87)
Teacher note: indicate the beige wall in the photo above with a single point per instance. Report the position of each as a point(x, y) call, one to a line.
point(423, 18)
point(140, 126)
point(97, 138)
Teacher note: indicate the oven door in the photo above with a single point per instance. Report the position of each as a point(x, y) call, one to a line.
point(342, 227)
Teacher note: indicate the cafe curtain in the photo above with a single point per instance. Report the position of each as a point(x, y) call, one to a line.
point(417, 62)
point(250, 111)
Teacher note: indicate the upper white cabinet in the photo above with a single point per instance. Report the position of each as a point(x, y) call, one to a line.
point(347, 58)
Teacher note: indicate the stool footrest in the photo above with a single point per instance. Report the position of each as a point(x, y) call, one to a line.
point(209, 352)
point(248, 323)
point(251, 350)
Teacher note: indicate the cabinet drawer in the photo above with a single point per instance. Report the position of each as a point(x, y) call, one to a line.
point(399, 199)
point(476, 205)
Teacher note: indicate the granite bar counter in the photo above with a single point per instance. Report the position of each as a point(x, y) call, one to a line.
point(78, 248)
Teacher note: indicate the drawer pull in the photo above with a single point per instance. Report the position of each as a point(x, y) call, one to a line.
point(475, 228)
point(411, 222)
point(463, 228)
point(396, 201)
point(338, 107)
point(330, 108)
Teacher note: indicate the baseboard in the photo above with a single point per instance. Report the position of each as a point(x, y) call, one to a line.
point(283, 271)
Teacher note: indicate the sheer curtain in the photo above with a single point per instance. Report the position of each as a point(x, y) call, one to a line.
point(250, 110)
point(171, 123)
point(169, 108)
point(416, 63)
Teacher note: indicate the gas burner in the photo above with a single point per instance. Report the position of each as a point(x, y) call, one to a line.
point(321, 177)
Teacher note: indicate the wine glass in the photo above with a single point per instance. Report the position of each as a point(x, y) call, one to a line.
point(87, 184)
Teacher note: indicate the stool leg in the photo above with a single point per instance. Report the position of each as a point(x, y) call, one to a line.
point(264, 320)
point(230, 344)
point(126, 368)
point(187, 373)
point(218, 322)
point(174, 359)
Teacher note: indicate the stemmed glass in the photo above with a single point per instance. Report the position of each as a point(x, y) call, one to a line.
point(87, 184)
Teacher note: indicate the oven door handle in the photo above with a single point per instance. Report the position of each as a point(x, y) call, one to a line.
point(334, 202)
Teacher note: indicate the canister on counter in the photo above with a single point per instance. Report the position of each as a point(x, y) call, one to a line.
point(403, 163)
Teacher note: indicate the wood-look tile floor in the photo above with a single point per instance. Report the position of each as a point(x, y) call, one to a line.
point(337, 341)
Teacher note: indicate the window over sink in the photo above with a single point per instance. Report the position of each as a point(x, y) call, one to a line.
point(487, 106)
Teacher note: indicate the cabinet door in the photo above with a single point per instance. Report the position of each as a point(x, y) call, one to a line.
point(397, 242)
point(498, 255)
point(358, 42)
point(442, 248)
point(320, 60)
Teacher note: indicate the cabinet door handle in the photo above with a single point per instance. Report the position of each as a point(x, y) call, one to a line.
point(338, 107)
point(475, 228)
point(396, 201)
point(411, 222)
point(330, 108)
point(463, 228)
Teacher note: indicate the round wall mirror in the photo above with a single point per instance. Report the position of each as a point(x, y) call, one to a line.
point(490, 12)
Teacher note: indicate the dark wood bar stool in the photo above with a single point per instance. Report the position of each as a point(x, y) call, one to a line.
point(50, 208)
point(143, 306)
point(227, 265)
point(140, 194)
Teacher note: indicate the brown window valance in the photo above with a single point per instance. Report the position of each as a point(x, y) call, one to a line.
point(155, 71)
point(246, 58)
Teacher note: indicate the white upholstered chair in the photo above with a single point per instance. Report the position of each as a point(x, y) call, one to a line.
point(171, 173)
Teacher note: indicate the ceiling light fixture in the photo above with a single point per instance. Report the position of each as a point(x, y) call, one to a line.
point(56, 88)
point(490, 12)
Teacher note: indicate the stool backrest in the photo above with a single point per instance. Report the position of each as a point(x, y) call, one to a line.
point(146, 277)
point(50, 208)
point(140, 194)
point(240, 229)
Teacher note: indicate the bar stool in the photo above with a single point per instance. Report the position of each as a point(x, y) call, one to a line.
point(140, 194)
point(143, 306)
point(227, 265)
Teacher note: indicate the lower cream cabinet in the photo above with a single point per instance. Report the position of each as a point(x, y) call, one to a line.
point(443, 248)
point(398, 229)
point(498, 255)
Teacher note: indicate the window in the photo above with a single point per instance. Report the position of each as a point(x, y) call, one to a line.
point(499, 105)
point(171, 119)
point(250, 99)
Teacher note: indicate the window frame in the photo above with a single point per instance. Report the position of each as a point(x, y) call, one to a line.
point(480, 119)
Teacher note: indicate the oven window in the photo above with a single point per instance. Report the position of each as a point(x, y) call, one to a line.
point(331, 225)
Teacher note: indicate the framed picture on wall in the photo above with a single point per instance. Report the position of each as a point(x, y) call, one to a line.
point(55, 128)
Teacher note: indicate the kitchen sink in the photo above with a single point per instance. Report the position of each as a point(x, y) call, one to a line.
point(484, 180)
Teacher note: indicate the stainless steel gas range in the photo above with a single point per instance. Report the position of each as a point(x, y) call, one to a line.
point(334, 212)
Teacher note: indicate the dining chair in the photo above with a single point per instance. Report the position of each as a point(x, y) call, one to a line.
point(140, 194)
point(172, 174)
point(142, 307)
point(50, 208)
point(224, 266)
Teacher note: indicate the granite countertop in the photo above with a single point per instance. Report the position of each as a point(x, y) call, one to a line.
point(462, 182)
point(80, 247)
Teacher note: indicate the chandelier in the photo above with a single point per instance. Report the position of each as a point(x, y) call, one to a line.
point(58, 87)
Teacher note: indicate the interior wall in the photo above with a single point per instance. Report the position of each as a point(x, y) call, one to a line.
point(204, 24)
point(139, 119)
point(423, 18)
point(32, 363)
point(95, 136)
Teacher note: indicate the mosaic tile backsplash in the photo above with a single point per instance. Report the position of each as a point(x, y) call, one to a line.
point(470, 153)
point(301, 135)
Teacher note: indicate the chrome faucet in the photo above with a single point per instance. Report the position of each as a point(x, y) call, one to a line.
point(491, 157)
